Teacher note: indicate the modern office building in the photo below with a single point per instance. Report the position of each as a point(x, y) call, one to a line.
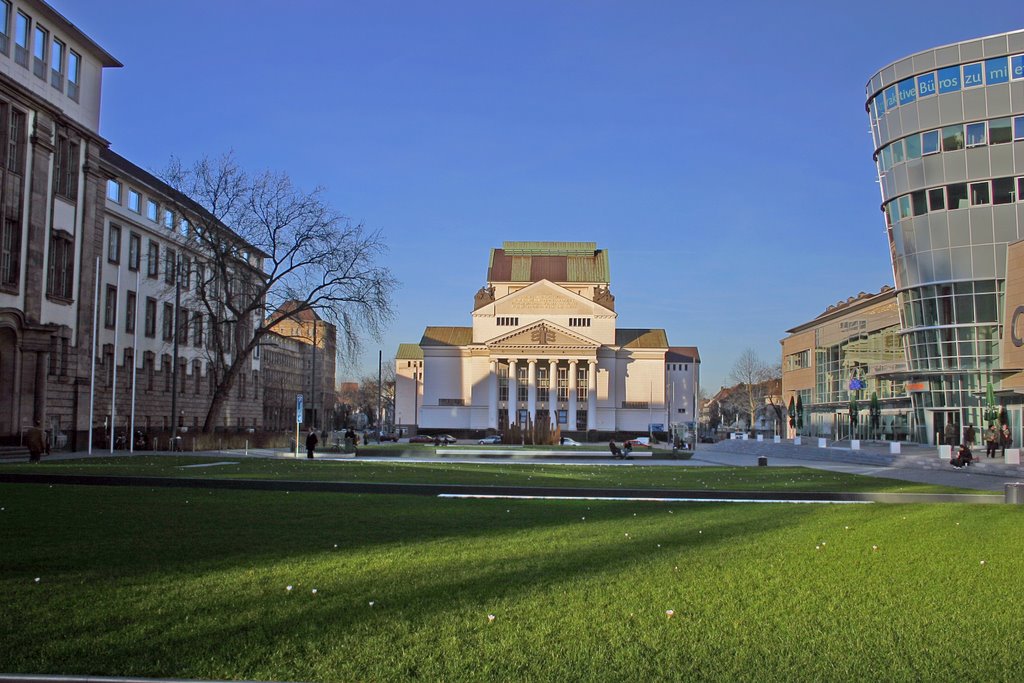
point(948, 131)
point(849, 352)
point(544, 347)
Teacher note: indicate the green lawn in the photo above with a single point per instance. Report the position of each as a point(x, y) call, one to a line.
point(175, 583)
point(485, 473)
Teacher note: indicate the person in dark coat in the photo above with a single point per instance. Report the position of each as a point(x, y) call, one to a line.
point(969, 433)
point(311, 442)
point(616, 453)
point(35, 440)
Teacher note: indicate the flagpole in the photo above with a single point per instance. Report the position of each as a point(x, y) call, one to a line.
point(113, 383)
point(92, 374)
point(135, 362)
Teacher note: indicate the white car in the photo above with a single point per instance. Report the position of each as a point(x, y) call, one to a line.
point(566, 441)
point(490, 440)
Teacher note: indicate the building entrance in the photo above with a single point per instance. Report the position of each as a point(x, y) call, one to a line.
point(940, 418)
point(8, 397)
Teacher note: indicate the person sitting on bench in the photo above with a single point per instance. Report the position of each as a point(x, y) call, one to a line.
point(616, 453)
point(963, 456)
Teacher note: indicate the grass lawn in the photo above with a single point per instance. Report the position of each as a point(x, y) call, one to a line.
point(484, 473)
point(193, 584)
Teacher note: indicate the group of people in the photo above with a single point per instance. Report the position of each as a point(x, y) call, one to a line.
point(620, 453)
point(995, 438)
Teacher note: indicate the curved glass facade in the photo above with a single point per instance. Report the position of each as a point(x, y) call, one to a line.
point(948, 132)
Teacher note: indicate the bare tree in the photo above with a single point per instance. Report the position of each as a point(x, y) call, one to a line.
point(367, 395)
point(758, 383)
point(259, 242)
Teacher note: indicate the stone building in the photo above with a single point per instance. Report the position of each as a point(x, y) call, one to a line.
point(315, 344)
point(544, 347)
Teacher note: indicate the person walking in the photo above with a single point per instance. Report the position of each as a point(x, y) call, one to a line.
point(1006, 439)
point(35, 440)
point(311, 442)
point(969, 433)
point(991, 440)
point(949, 434)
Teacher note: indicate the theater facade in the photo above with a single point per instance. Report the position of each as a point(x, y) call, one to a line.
point(544, 347)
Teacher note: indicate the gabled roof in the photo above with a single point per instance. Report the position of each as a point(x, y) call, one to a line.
point(555, 261)
point(307, 315)
point(543, 333)
point(409, 352)
point(641, 339)
point(447, 336)
point(682, 354)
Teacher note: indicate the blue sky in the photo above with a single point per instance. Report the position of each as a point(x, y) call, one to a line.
point(720, 153)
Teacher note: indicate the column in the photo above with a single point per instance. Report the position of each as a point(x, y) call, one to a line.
point(572, 395)
point(492, 396)
point(531, 390)
point(513, 393)
point(591, 394)
point(553, 392)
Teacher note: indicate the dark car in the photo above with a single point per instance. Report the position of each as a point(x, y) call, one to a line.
point(422, 438)
point(389, 437)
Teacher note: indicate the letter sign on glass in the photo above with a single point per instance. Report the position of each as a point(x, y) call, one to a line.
point(996, 71)
point(908, 91)
point(926, 85)
point(879, 104)
point(1017, 67)
point(890, 98)
point(949, 79)
point(972, 75)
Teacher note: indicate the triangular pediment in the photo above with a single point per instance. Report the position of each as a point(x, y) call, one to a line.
point(545, 298)
point(541, 335)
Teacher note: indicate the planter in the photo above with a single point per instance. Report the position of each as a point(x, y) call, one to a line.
point(894, 448)
point(776, 439)
point(822, 443)
point(760, 437)
point(1012, 456)
point(797, 441)
point(945, 452)
point(855, 444)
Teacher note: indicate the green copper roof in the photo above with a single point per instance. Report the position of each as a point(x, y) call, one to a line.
point(562, 262)
point(641, 339)
point(447, 336)
point(549, 248)
point(409, 352)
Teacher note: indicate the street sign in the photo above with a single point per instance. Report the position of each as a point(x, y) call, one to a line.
point(298, 408)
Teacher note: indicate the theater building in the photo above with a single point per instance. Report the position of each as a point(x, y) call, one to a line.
point(544, 346)
point(948, 131)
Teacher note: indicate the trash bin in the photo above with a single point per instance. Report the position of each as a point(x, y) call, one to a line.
point(1015, 493)
point(762, 461)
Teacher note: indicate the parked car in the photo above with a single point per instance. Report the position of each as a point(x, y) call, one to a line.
point(495, 438)
point(446, 439)
point(421, 438)
point(639, 442)
point(389, 437)
point(566, 441)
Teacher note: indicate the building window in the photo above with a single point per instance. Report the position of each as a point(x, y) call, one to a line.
point(170, 266)
point(168, 322)
point(1002, 191)
point(186, 271)
point(114, 191)
point(110, 310)
point(563, 384)
point(65, 172)
point(153, 262)
point(581, 384)
point(134, 247)
point(581, 421)
point(62, 265)
point(169, 220)
point(152, 210)
point(150, 320)
point(543, 385)
point(183, 315)
point(979, 194)
point(197, 330)
point(522, 377)
point(930, 142)
point(976, 134)
point(798, 360)
point(129, 312)
point(74, 74)
point(1020, 189)
point(1018, 128)
point(114, 244)
point(919, 202)
point(502, 382)
point(16, 142)
point(21, 26)
point(956, 196)
point(913, 147)
point(952, 138)
point(5, 25)
point(579, 322)
point(57, 65)
point(897, 152)
point(1000, 131)
point(41, 42)
point(936, 199)
point(506, 321)
point(10, 255)
point(134, 201)
point(563, 417)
